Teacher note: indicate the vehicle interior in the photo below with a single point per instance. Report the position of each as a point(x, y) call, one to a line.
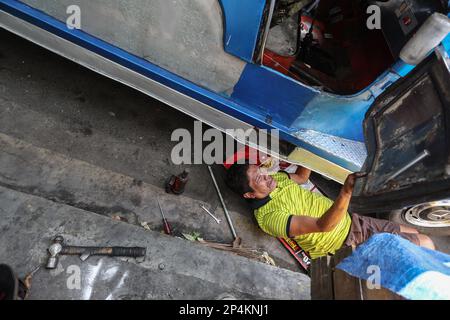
point(327, 43)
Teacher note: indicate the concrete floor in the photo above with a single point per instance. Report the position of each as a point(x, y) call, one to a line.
point(82, 141)
point(171, 269)
point(54, 104)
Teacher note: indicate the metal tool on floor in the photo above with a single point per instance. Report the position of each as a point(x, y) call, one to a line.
point(32, 273)
point(58, 248)
point(25, 283)
point(167, 228)
point(176, 184)
point(212, 216)
point(237, 240)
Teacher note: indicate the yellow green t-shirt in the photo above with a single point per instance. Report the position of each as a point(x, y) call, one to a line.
point(290, 199)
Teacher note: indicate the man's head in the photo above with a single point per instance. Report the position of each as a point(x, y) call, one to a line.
point(250, 181)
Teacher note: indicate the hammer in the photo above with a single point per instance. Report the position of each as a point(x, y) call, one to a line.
point(57, 248)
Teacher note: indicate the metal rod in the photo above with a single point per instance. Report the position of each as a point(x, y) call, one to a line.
point(161, 209)
point(419, 158)
point(227, 215)
point(312, 6)
point(266, 31)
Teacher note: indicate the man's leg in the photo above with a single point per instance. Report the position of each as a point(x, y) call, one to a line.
point(405, 229)
point(426, 242)
point(417, 238)
point(364, 227)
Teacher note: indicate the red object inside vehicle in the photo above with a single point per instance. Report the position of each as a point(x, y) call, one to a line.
point(278, 62)
point(352, 58)
point(243, 153)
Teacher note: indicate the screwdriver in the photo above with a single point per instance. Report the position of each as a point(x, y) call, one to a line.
point(167, 229)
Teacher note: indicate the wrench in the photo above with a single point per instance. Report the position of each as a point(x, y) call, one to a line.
point(207, 211)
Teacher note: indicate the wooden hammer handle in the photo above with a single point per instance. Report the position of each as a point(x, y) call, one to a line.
point(134, 252)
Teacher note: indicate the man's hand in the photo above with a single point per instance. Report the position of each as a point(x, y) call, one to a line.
point(301, 175)
point(303, 225)
point(349, 183)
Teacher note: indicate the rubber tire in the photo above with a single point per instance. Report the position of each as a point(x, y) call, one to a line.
point(398, 217)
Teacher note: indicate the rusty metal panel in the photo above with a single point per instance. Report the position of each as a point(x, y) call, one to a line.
point(408, 140)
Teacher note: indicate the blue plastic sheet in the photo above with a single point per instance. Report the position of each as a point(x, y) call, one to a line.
point(405, 268)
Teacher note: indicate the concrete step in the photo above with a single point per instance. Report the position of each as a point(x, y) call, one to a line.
point(62, 179)
point(173, 268)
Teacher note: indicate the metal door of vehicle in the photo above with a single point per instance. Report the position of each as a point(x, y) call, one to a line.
point(407, 133)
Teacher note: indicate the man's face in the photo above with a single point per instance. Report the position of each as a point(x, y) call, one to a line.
point(261, 183)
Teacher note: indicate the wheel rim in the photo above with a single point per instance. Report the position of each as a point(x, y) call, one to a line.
point(432, 215)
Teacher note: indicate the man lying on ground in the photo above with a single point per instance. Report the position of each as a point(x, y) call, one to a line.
point(320, 226)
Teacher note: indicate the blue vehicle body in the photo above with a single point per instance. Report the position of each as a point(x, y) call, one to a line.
point(325, 125)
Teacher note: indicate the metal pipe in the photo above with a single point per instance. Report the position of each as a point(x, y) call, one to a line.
point(413, 162)
point(312, 6)
point(267, 29)
point(227, 215)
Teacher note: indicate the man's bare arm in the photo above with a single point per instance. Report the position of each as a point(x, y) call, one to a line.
point(300, 176)
point(301, 225)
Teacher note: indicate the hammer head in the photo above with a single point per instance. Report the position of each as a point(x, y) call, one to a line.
point(54, 250)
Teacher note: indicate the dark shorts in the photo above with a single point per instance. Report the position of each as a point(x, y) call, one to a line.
point(363, 228)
